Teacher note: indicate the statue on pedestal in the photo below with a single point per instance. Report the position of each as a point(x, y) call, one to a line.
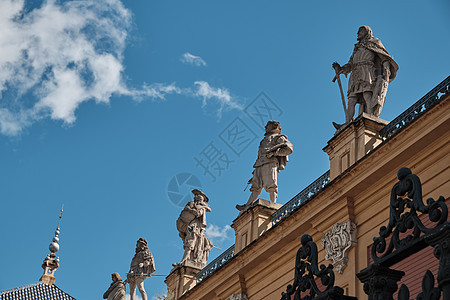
point(272, 158)
point(142, 266)
point(191, 226)
point(372, 69)
point(116, 290)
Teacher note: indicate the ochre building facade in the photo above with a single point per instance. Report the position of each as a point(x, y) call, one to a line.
point(363, 167)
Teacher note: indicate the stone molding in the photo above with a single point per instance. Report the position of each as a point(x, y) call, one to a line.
point(337, 242)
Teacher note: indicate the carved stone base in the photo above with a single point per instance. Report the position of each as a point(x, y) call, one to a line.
point(253, 222)
point(47, 279)
point(181, 279)
point(190, 264)
point(352, 141)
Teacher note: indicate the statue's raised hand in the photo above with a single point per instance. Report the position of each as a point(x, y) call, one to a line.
point(337, 67)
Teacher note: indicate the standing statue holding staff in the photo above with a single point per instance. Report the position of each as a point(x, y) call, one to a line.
point(191, 226)
point(272, 158)
point(142, 266)
point(372, 69)
point(116, 290)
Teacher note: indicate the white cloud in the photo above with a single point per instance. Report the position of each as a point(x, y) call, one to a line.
point(217, 233)
point(56, 53)
point(191, 59)
point(161, 296)
point(62, 54)
point(221, 96)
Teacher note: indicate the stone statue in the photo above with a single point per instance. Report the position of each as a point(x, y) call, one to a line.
point(272, 158)
point(117, 289)
point(142, 266)
point(191, 226)
point(372, 69)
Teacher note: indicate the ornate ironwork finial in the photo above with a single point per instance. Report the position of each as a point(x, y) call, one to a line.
point(306, 272)
point(406, 201)
point(428, 290)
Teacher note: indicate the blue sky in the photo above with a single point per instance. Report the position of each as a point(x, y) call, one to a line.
point(104, 103)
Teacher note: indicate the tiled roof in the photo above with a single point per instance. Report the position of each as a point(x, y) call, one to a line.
point(35, 291)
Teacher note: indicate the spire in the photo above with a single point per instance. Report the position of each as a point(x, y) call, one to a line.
point(51, 262)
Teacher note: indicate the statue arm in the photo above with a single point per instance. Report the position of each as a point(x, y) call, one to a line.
point(148, 258)
point(203, 209)
point(285, 151)
point(385, 66)
point(110, 289)
point(386, 70)
point(347, 68)
point(150, 262)
point(190, 209)
point(283, 148)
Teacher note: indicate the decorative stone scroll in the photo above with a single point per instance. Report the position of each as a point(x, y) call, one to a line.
point(240, 296)
point(337, 242)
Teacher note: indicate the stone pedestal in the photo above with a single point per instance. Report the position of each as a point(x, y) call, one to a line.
point(253, 222)
point(351, 142)
point(48, 277)
point(181, 279)
point(50, 265)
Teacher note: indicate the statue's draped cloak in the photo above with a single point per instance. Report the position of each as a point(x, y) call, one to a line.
point(189, 213)
point(146, 258)
point(376, 46)
point(116, 291)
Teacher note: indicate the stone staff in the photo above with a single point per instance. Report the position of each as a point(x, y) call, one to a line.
point(337, 69)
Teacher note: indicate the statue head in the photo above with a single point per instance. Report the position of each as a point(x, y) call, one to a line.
point(364, 33)
point(116, 277)
point(199, 195)
point(141, 245)
point(273, 127)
